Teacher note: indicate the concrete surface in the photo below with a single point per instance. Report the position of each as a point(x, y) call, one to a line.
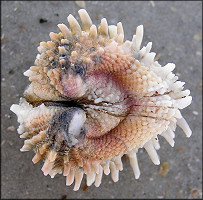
point(175, 28)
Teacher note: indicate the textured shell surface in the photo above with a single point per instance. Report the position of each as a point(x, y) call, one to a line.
point(95, 97)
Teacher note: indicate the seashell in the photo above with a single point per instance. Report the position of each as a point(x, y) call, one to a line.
point(94, 97)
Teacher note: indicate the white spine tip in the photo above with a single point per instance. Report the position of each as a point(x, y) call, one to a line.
point(139, 37)
point(168, 137)
point(86, 20)
point(47, 167)
point(64, 29)
point(74, 25)
point(70, 177)
point(134, 163)
point(53, 36)
point(25, 148)
point(120, 28)
point(29, 73)
point(183, 102)
point(152, 152)
point(103, 29)
point(78, 179)
point(93, 32)
point(184, 126)
point(114, 172)
point(106, 168)
point(98, 177)
point(91, 178)
point(15, 108)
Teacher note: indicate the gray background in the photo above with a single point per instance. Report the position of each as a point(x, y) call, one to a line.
point(175, 28)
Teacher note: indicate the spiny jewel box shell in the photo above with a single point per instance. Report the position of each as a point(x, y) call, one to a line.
point(94, 97)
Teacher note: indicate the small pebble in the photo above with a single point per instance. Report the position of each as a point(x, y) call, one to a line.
point(80, 4)
point(178, 176)
point(195, 112)
point(85, 187)
point(180, 192)
point(11, 128)
point(198, 53)
point(157, 57)
point(152, 3)
point(7, 115)
point(180, 149)
point(190, 167)
point(173, 9)
point(2, 36)
point(195, 192)
point(197, 36)
point(10, 143)
point(63, 196)
point(3, 142)
point(41, 20)
point(164, 169)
